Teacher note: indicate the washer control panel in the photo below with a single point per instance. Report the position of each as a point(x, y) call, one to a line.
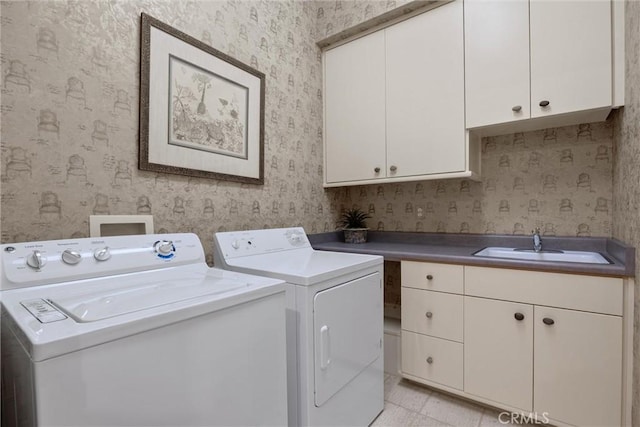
point(43, 311)
point(55, 261)
point(235, 244)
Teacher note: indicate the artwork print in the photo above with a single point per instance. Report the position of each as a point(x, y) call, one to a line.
point(207, 112)
point(201, 110)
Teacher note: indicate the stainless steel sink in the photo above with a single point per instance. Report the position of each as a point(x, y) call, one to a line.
point(544, 255)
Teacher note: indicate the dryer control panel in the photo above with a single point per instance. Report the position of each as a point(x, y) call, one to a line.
point(55, 261)
point(234, 244)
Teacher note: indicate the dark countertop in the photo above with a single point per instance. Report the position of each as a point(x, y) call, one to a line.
point(459, 249)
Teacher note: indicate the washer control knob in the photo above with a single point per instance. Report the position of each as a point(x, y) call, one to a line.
point(235, 244)
point(36, 260)
point(71, 257)
point(102, 254)
point(164, 247)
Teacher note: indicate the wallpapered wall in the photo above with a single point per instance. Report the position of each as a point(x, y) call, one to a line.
point(70, 123)
point(626, 178)
point(338, 15)
point(556, 179)
point(70, 118)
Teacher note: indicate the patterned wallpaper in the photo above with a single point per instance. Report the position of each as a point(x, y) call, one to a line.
point(339, 15)
point(626, 177)
point(559, 180)
point(70, 118)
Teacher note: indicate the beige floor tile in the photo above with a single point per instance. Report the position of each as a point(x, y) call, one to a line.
point(390, 382)
point(452, 411)
point(394, 416)
point(409, 396)
point(423, 421)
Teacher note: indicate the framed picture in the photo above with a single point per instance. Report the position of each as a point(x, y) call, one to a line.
point(201, 111)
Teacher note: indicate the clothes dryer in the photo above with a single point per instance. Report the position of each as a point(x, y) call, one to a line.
point(334, 322)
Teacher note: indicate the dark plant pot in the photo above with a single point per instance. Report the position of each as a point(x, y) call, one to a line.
point(355, 235)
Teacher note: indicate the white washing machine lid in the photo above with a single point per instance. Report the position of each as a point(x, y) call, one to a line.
point(304, 266)
point(99, 310)
point(116, 299)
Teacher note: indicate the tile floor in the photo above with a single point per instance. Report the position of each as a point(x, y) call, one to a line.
point(409, 404)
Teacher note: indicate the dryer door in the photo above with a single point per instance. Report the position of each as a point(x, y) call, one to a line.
point(347, 322)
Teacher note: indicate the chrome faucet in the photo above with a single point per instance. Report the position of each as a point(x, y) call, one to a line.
point(537, 241)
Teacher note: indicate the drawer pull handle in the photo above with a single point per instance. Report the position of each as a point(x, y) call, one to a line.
point(544, 103)
point(548, 321)
point(516, 108)
point(429, 314)
point(429, 277)
point(429, 360)
point(393, 168)
point(376, 170)
point(519, 316)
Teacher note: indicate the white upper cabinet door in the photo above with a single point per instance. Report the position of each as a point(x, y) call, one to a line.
point(355, 110)
point(570, 56)
point(496, 61)
point(425, 93)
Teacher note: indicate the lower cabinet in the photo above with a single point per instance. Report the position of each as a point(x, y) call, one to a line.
point(578, 366)
point(564, 364)
point(498, 353)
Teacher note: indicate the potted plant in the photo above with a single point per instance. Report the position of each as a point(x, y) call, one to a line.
point(353, 223)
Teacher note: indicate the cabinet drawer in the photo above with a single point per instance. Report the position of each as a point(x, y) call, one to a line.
point(432, 359)
point(433, 277)
point(432, 313)
point(585, 293)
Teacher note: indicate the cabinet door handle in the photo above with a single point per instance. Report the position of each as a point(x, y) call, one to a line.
point(376, 170)
point(544, 103)
point(548, 321)
point(516, 108)
point(429, 277)
point(429, 360)
point(519, 316)
point(429, 314)
point(393, 168)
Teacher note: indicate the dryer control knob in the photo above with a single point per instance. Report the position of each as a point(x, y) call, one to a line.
point(102, 254)
point(235, 244)
point(36, 260)
point(71, 257)
point(164, 247)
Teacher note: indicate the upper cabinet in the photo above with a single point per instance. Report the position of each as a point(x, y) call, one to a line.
point(496, 61)
point(354, 80)
point(425, 93)
point(409, 102)
point(535, 59)
point(394, 103)
point(571, 58)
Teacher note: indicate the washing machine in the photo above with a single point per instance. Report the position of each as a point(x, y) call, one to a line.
point(334, 322)
point(138, 331)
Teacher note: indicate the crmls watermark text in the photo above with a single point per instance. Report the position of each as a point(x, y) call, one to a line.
point(523, 418)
